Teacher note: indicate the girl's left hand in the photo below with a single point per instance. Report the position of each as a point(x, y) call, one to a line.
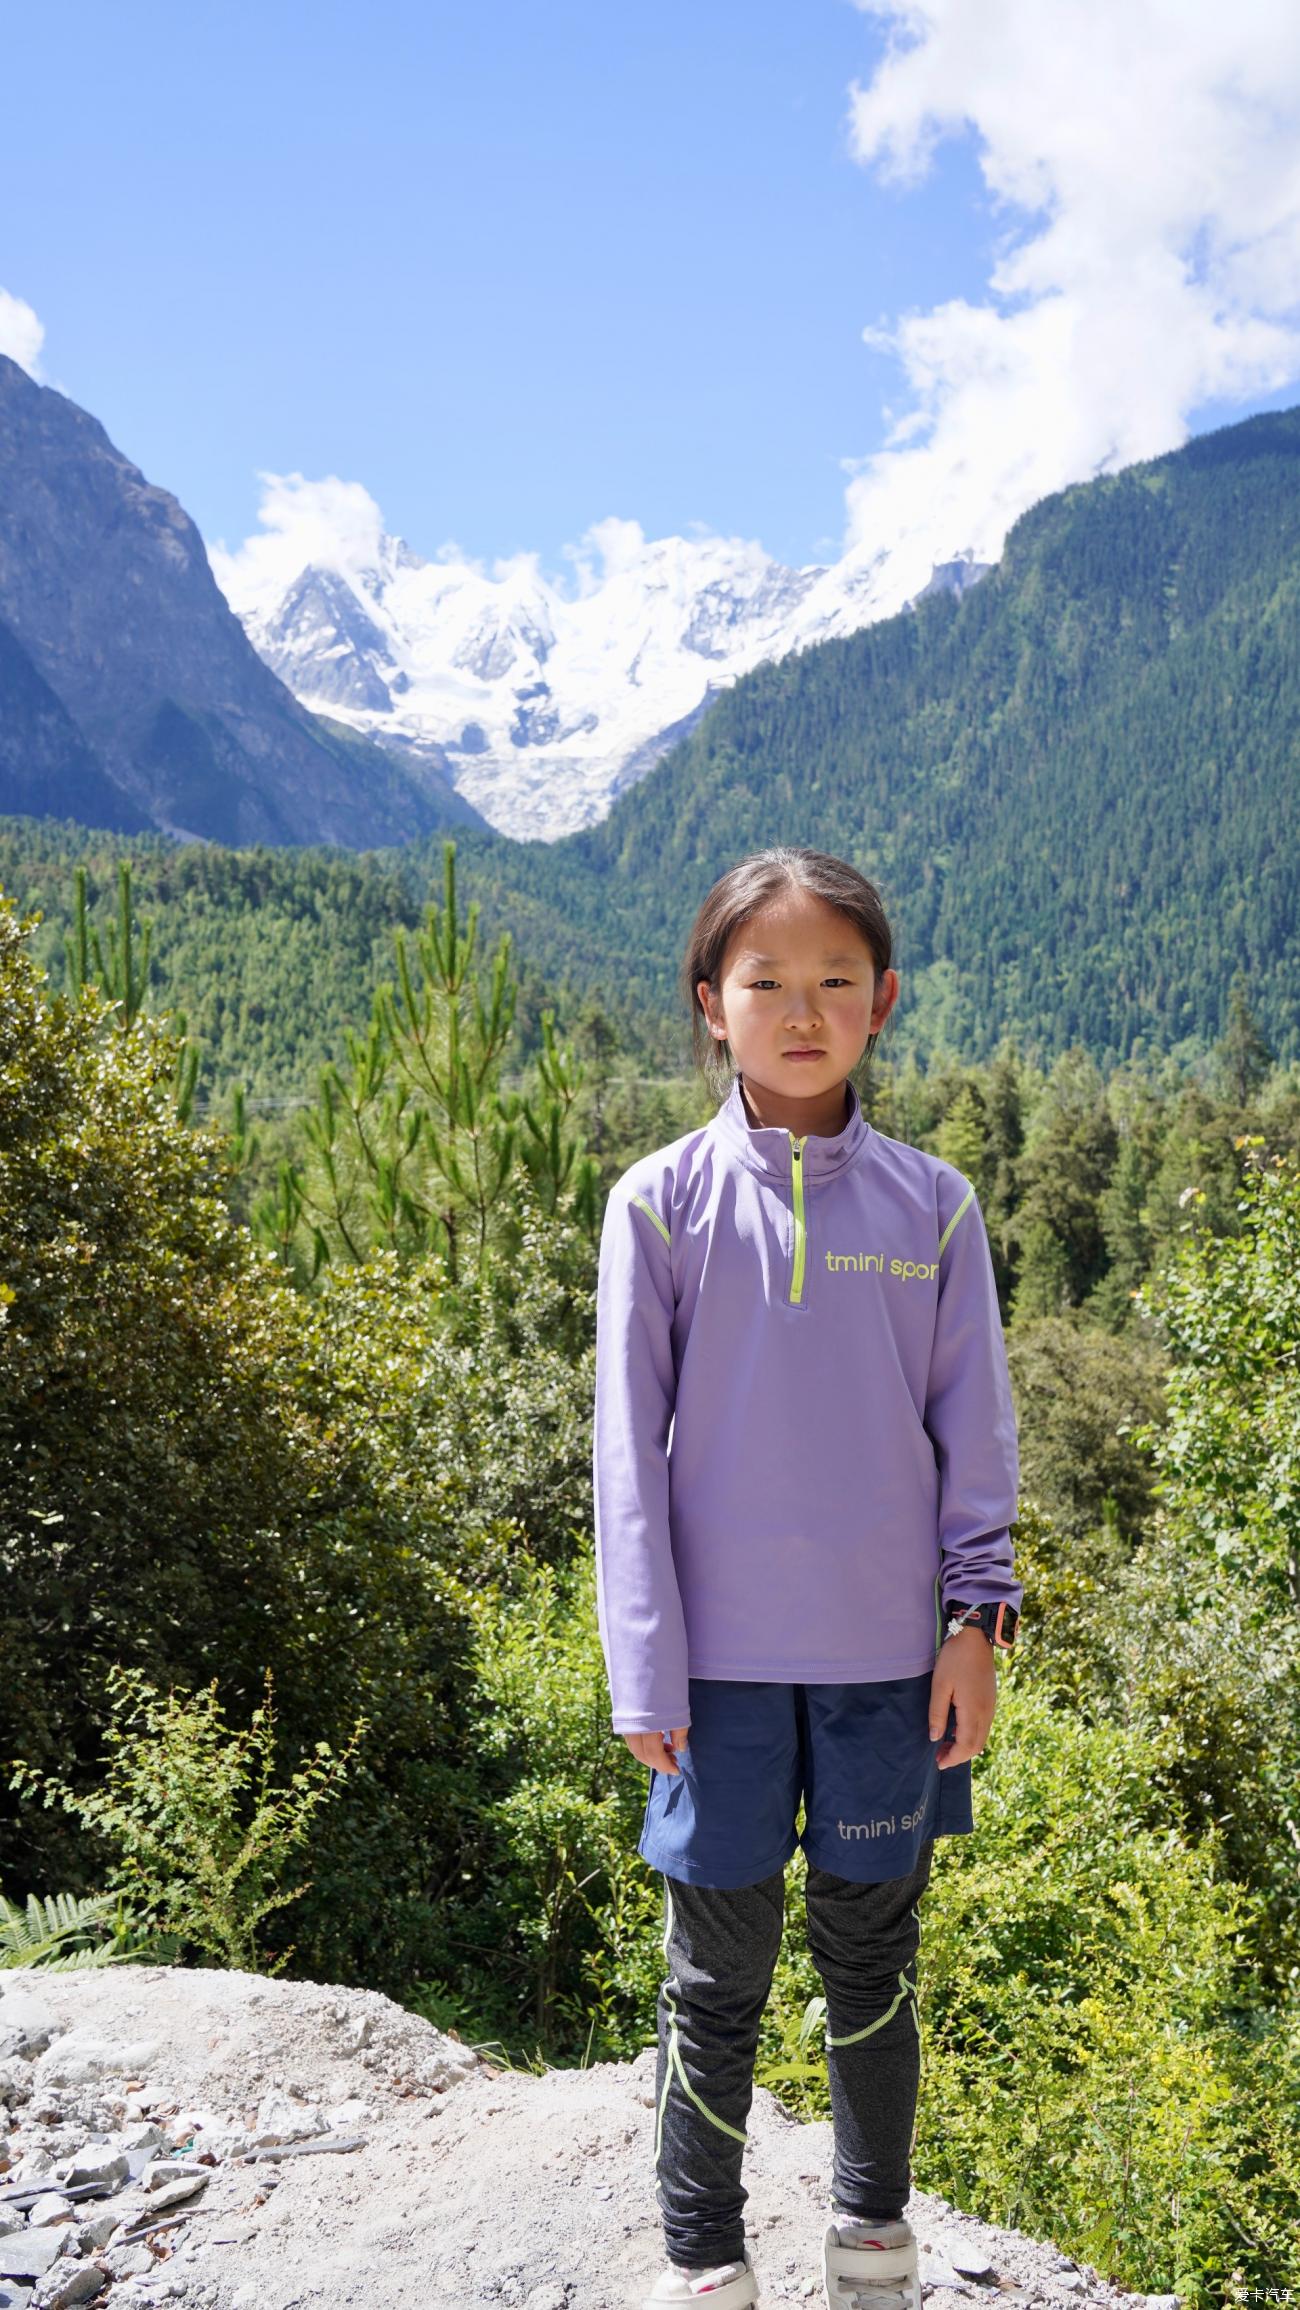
point(965, 1677)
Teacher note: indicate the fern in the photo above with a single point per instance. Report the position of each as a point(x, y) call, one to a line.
point(37, 1937)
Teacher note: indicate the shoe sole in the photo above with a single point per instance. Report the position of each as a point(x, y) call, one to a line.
point(738, 2294)
point(869, 2265)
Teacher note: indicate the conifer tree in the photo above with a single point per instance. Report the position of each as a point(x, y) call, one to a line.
point(417, 1147)
point(1242, 1056)
point(123, 975)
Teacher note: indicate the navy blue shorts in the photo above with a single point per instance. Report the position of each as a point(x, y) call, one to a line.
point(860, 1755)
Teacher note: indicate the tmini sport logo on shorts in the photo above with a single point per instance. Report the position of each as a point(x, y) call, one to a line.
point(889, 1826)
point(873, 1263)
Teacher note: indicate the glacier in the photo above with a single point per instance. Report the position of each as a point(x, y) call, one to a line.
point(540, 699)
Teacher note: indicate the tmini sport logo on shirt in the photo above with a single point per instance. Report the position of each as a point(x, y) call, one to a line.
point(873, 1263)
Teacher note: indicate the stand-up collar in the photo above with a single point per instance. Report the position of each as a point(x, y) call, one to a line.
point(766, 1147)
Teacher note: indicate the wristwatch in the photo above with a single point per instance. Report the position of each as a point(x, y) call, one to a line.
point(998, 1621)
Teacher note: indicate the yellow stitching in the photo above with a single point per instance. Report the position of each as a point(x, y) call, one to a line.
point(702, 2106)
point(675, 2052)
point(668, 2067)
point(872, 2026)
point(649, 1208)
point(970, 1198)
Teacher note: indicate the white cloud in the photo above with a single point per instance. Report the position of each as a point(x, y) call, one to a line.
point(1144, 161)
point(333, 523)
point(604, 551)
point(21, 333)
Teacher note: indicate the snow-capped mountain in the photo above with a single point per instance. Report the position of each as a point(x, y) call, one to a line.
point(541, 702)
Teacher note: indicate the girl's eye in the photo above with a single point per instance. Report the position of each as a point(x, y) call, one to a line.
point(826, 982)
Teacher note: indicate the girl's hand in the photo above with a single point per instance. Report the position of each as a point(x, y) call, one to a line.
point(965, 1675)
point(656, 1749)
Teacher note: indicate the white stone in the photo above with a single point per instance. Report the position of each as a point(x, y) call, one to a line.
point(141, 2134)
point(281, 2119)
point(29, 2253)
point(100, 2162)
point(81, 2057)
point(53, 2207)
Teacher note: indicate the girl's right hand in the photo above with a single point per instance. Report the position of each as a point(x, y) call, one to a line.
point(656, 1749)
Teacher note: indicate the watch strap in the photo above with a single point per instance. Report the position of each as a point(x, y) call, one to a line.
point(998, 1621)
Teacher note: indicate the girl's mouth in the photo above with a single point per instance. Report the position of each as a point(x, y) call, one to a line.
point(803, 1054)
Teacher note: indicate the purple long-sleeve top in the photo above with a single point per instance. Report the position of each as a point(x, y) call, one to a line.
point(805, 1444)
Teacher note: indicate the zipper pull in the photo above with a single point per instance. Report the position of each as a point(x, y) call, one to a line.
point(800, 1225)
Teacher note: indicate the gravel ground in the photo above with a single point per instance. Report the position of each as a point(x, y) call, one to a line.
point(456, 2184)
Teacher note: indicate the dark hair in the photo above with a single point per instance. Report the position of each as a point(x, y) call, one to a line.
point(740, 893)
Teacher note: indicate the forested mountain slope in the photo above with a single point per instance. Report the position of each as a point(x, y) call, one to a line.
point(1076, 785)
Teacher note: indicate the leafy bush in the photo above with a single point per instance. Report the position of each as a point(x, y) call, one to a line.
point(205, 1473)
point(1229, 1455)
point(561, 1898)
point(197, 1865)
point(1085, 2056)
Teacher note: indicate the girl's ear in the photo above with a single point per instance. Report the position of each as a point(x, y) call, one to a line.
point(707, 1002)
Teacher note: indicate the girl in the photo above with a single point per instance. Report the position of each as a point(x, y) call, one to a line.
point(805, 1474)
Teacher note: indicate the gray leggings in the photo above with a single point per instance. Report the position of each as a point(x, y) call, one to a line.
point(721, 1946)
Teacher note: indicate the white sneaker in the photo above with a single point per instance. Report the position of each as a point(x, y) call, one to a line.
point(870, 2266)
point(731, 2286)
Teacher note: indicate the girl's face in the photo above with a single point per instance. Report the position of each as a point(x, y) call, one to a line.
point(798, 978)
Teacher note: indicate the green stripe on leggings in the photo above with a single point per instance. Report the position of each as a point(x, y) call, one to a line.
point(872, 2026)
point(675, 2061)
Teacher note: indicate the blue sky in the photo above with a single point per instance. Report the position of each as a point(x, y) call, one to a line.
point(518, 269)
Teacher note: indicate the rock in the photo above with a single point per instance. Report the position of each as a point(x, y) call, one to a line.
point(281, 2119)
point(142, 2135)
point(343, 2115)
point(547, 2298)
point(130, 2261)
point(69, 2282)
point(934, 2269)
point(967, 2259)
point(53, 2207)
point(98, 2163)
point(178, 2192)
point(14, 2297)
point(161, 2172)
point(30, 2253)
point(81, 2057)
point(26, 2025)
point(30, 2167)
point(95, 2233)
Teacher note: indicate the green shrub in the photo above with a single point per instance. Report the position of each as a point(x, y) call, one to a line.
point(559, 1892)
point(1085, 2057)
point(197, 1837)
point(205, 1473)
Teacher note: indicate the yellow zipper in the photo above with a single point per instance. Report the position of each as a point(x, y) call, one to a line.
point(800, 1229)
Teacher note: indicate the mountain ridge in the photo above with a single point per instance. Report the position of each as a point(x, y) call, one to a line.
point(545, 704)
point(165, 714)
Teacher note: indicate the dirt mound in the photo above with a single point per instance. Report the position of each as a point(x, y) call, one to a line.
point(242, 2143)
